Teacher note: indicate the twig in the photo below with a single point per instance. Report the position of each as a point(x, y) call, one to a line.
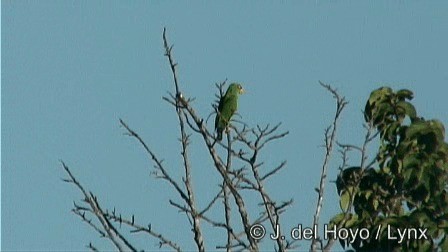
point(149, 230)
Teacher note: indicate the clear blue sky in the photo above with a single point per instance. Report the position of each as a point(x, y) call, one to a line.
point(71, 69)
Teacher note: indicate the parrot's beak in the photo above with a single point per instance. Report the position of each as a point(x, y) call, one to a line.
point(242, 91)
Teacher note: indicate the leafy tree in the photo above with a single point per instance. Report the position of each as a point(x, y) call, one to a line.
point(404, 188)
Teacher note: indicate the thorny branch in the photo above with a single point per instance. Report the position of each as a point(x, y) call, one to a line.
point(330, 135)
point(184, 139)
point(110, 232)
point(116, 238)
point(138, 228)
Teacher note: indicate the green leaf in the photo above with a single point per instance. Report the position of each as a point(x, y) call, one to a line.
point(438, 129)
point(391, 131)
point(410, 161)
point(376, 98)
point(375, 204)
point(407, 108)
point(344, 201)
point(336, 220)
point(407, 173)
point(367, 194)
point(425, 246)
point(416, 129)
point(351, 221)
point(405, 94)
point(380, 94)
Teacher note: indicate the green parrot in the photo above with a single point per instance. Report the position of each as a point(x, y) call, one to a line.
point(227, 107)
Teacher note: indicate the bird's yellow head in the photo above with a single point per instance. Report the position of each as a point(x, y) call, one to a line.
point(236, 88)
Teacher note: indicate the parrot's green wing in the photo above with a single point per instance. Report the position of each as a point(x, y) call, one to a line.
point(226, 108)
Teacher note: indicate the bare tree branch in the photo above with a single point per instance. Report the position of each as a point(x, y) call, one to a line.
point(263, 136)
point(184, 139)
point(158, 163)
point(149, 230)
point(114, 236)
point(329, 141)
point(227, 210)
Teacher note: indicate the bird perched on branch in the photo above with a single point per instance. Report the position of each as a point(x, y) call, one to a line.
point(227, 107)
